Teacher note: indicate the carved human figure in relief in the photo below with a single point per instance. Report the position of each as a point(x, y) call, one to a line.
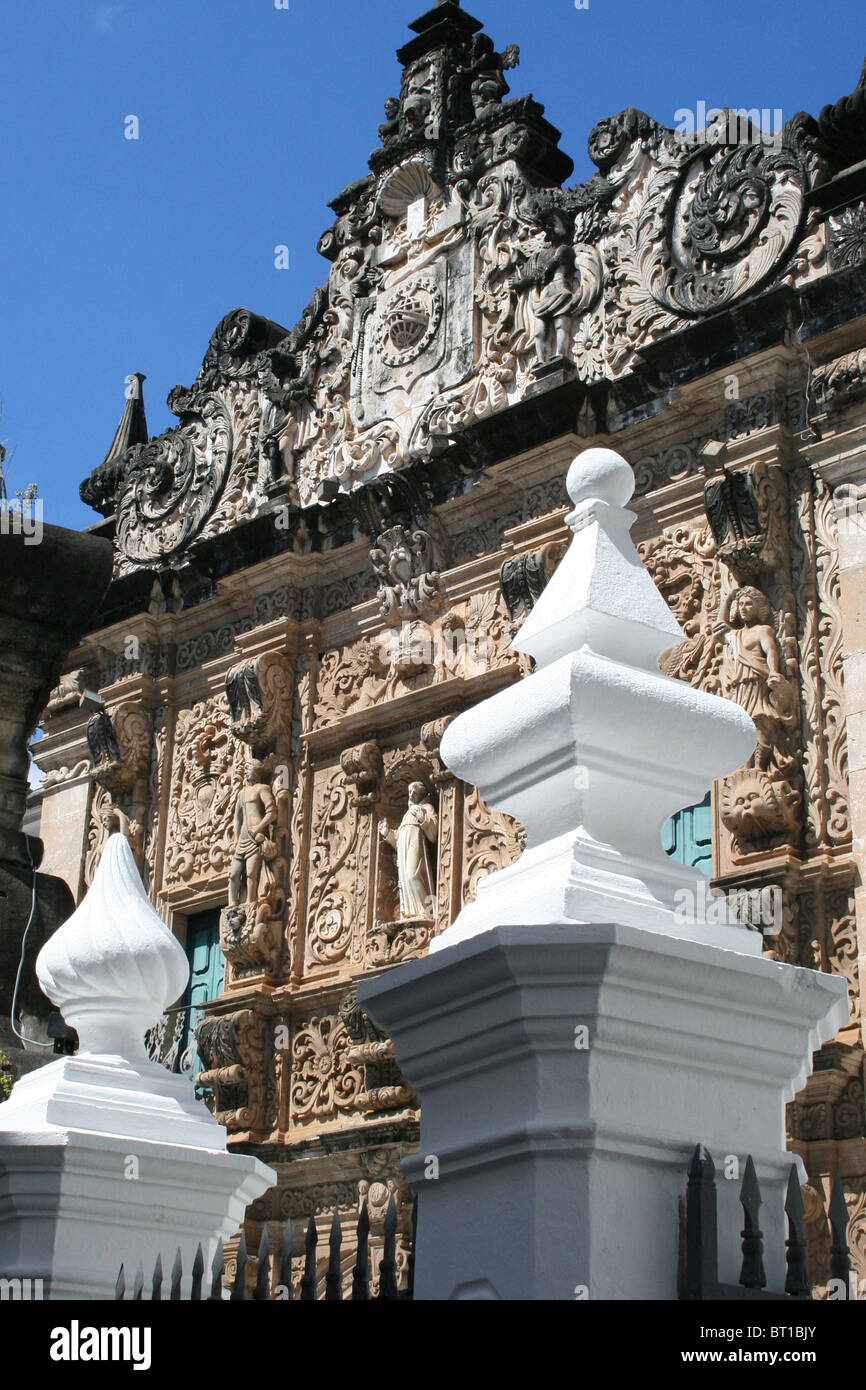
point(255, 813)
point(414, 840)
point(547, 283)
point(752, 670)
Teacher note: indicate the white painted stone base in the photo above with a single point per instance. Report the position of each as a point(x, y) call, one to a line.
point(560, 1167)
point(106, 1162)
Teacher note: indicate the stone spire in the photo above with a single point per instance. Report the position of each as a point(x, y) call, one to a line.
point(98, 489)
point(595, 750)
point(132, 428)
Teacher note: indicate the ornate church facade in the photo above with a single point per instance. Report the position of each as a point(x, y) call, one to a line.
point(325, 559)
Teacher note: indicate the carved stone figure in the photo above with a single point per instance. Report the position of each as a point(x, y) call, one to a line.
point(115, 821)
point(752, 670)
point(416, 873)
point(255, 813)
point(758, 809)
point(547, 285)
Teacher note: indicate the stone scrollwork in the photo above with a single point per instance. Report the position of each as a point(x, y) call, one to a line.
point(259, 696)
point(232, 1049)
point(120, 745)
point(492, 840)
point(747, 512)
point(332, 871)
point(384, 1086)
point(403, 563)
point(523, 579)
point(206, 776)
point(172, 483)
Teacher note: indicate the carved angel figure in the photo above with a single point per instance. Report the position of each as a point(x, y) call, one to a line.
point(413, 840)
point(752, 669)
point(255, 813)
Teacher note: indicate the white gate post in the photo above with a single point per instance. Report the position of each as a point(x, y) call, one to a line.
point(107, 1158)
point(593, 1015)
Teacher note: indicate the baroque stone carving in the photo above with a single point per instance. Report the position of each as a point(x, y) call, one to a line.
point(67, 693)
point(384, 1085)
point(403, 563)
point(232, 1049)
point(324, 1081)
point(753, 675)
point(747, 512)
point(258, 693)
point(523, 579)
point(332, 870)
point(206, 776)
point(844, 376)
point(760, 811)
point(362, 766)
point(848, 237)
point(250, 926)
point(492, 840)
point(120, 744)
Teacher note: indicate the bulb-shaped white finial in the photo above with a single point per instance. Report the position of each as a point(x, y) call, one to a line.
point(113, 967)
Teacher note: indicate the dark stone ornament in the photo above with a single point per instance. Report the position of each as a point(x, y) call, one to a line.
point(523, 579)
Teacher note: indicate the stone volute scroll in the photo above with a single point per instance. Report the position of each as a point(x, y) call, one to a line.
point(595, 750)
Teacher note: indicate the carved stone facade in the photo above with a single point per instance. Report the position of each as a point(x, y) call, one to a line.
point(326, 558)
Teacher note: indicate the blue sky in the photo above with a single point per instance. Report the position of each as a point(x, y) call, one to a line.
point(121, 256)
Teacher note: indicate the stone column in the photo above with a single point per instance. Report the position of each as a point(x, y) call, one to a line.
point(592, 1016)
point(107, 1158)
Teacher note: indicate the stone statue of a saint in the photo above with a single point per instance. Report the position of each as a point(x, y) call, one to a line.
point(547, 286)
point(752, 670)
point(414, 840)
point(255, 813)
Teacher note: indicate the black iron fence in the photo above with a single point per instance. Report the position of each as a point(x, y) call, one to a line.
point(273, 1271)
point(699, 1263)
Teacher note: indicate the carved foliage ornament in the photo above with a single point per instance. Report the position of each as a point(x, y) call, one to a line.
point(324, 1081)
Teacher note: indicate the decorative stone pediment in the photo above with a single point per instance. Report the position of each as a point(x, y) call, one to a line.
point(464, 278)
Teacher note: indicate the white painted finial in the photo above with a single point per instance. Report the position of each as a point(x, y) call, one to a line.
point(596, 749)
point(600, 596)
point(601, 474)
point(113, 967)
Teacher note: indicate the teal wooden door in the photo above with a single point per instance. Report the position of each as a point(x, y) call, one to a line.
point(206, 969)
point(688, 837)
